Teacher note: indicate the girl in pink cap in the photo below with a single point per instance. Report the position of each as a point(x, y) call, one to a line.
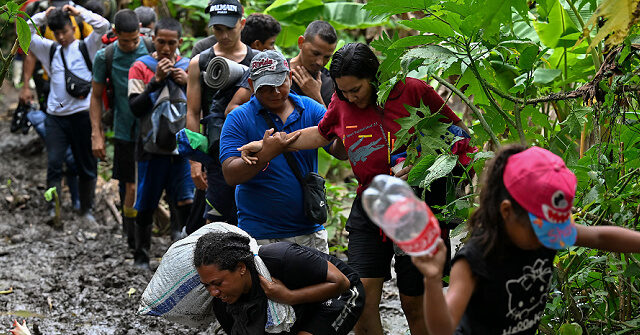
point(501, 277)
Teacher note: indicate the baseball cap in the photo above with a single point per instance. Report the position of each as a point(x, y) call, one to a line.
point(543, 185)
point(224, 12)
point(268, 68)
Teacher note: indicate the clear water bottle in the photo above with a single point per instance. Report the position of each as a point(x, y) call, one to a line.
point(407, 220)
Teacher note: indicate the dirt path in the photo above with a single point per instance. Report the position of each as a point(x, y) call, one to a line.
point(78, 280)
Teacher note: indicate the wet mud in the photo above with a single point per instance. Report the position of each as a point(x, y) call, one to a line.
point(80, 279)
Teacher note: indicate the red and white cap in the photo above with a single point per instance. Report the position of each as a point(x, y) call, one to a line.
point(543, 185)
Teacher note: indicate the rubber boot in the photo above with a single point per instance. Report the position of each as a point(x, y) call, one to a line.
point(129, 231)
point(129, 225)
point(143, 228)
point(181, 214)
point(87, 190)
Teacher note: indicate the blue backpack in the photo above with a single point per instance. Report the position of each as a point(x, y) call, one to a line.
point(158, 129)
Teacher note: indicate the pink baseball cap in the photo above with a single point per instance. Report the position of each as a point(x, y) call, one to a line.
point(543, 185)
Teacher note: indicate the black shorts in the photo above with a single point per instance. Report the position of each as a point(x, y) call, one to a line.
point(370, 253)
point(124, 161)
point(335, 316)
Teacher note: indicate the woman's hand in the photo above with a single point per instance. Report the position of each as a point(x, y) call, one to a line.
point(20, 329)
point(248, 151)
point(404, 173)
point(275, 290)
point(431, 265)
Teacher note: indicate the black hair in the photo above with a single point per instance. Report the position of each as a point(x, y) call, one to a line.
point(146, 15)
point(126, 21)
point(95, 6)
point(223, 249)
point(486, 222)
point(168, 23)
point(355, 59)
point(322, 29)
point(58, 19)
point(259, 27)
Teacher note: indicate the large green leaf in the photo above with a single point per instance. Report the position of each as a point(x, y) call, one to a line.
point(350, 15)
point(412, 41)
point(570, 329)
point(24, 34)
point(191, 3)
point(420, 169)
point(281, 9)
point(430, 25)
point(559, 24)
point(489, 16)
point(434, 57)
point(545, 76)
point(289, 34)
point(442, 166)
point(386, 8)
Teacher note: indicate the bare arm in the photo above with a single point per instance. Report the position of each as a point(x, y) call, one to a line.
point(28, 66)
point(95, 114)
point(335, 284)
point(193, 95)
point(442, 314)
point(242, 95)
point(236, 171)
point(610, 238)
point(193, 117)
point(310, 138)
point(338, 150)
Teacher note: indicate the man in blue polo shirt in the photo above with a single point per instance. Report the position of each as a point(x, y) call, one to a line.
point(268, 195)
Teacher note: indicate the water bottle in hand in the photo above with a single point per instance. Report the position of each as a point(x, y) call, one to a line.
point(407, 220)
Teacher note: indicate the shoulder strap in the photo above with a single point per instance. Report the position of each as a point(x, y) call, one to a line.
point(85, 55)
point(183, 63)
point(52, 51)
point(108, 58)
point(291, 161)
point(150, 62)
point(80, 25)
point(148, 43)
point(203, 61)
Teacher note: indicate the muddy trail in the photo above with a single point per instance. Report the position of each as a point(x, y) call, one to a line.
point(80, 279)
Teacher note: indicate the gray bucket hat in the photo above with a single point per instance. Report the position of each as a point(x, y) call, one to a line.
point(268, 68)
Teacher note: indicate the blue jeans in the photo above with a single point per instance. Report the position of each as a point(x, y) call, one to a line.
point(163, 172)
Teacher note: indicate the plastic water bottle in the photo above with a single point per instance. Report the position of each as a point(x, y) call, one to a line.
point(407, 220)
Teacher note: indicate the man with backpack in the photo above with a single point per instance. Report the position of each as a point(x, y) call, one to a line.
point(68, 61)
point(111, 70)
point(31, 65)
point(157, 95)
point(227, 22)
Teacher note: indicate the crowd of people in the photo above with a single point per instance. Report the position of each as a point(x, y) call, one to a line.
point(264, 130)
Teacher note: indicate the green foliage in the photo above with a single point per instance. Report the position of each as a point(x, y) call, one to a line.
point(10, 13)
point(503, 56)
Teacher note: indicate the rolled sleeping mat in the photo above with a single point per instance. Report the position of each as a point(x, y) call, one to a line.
point(222, 73)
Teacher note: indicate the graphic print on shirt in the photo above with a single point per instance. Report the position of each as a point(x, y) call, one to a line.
point(358, 152)
point(526, 295)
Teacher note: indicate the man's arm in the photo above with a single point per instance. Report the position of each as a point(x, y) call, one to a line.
point(242, 95)
point(28, 66)
point(95, 114)
point(99, 24)
point(334, 285)
point(40, 46)
point(236, 171)
point(338, 150)
point(194, 94)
